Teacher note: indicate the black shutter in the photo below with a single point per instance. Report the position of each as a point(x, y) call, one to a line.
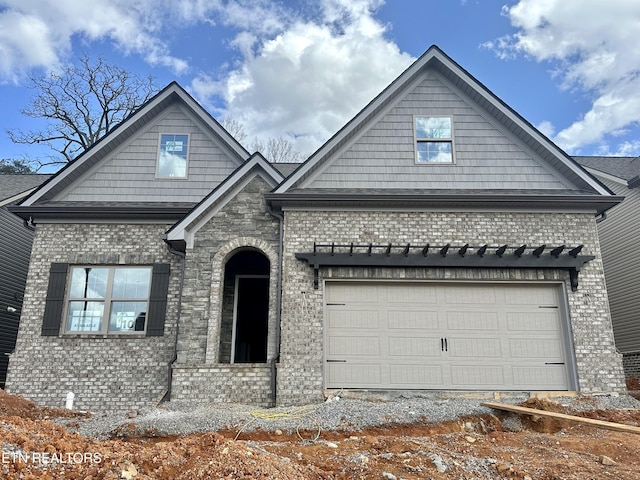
point(54, 304)
point(158, 299)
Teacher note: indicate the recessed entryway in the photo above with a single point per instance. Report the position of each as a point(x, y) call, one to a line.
point(245, 308)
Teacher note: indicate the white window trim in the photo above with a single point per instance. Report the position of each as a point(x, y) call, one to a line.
point(107, 301)
point(417, 140)
point(159, 150)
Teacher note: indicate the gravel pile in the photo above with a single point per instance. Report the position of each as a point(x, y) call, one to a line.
point(349, 414)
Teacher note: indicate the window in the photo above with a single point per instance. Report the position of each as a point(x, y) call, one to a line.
point(172, 161)
point(434, 140)
point(107, 299)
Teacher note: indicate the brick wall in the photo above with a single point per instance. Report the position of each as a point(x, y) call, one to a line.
point(631, 362)
point(104, 372)
point(223, 383)
point(300, 376)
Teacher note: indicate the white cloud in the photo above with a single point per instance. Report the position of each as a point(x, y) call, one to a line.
point(547, 128)
point(594, 50)
point(39, 33)
point(299, 71)
point(306, 80)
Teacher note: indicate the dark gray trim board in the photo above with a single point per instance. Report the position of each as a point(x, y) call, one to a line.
point(597, 203)
point(122, 213)
point(559, 258)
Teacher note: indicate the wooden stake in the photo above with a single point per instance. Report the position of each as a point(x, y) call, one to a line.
point(620, 427)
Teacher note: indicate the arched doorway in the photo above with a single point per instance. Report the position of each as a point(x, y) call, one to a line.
point(245, 308)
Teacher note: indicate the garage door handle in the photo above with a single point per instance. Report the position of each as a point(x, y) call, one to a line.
point(443, 345)
point(446, 347)
point(336, 361)
point(554, 363)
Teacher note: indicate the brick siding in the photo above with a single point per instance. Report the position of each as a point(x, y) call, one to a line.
point(104, 372)
point(598, 365)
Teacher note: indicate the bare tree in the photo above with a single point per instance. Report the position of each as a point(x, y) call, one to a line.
point(82, 103)
point(235, 128)
point(278, 150)
point(275, 149)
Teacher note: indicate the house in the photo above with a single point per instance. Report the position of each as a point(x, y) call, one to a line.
point(617, 233)
point(15, 249)
point(438, 241)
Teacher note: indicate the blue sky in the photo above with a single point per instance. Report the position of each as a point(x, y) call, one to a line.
point(301, 69)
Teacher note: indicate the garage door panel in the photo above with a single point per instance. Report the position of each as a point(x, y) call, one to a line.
point(354, 318)
point(343, 293)
point(353, 374)
point(411, 294)
point(354, 345)
point(530, 295)
point(406, 376)
point(468, 347)
point(412, 319)
point(477, 376)
point(498, 336)
point(550, 377)
point(549, 349)
point(419, 347)
point(472, 320)
point(458, 295)
point(536, 321)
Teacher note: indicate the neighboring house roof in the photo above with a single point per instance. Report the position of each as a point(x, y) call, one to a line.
point(625, 168)
point(13, 187)
point(436, 60)
point(182, 233)
point(124, 131)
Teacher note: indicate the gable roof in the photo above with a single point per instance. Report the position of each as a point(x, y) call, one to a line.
point(437, 60)
point(13, 187)
point(182, 233)
point(124, 130)
point(624, 168)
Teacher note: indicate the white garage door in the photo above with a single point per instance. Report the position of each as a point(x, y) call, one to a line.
point(445, 336)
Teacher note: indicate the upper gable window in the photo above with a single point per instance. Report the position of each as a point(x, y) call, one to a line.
point(172, 161)
point(434, 140)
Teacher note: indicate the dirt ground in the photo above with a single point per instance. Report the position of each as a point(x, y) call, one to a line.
point(33, 447)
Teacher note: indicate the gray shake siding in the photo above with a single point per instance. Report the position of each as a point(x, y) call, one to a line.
point(598, 365)
point(487, 157)
point(129, 171)
point(104, 372)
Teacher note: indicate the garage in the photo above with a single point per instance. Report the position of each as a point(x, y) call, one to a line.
point(454, 336)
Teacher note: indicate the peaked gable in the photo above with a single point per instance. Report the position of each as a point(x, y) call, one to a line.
point(378, 144)
point(182, 233)
point(125, 159)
